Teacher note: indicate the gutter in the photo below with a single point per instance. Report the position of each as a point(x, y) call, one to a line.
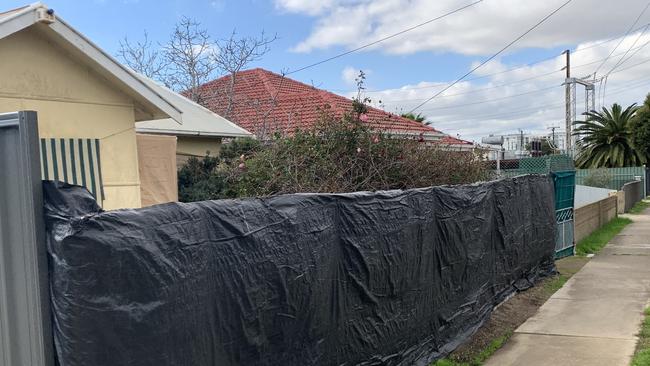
point(157, 131)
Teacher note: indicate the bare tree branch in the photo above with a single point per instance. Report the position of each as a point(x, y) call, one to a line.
point(190, 55)
point(191, 58)
point(235, 54)
point(142, 57)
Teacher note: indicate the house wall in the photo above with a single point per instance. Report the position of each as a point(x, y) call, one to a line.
point(188, 146)
point(72, 101)
point(198, 146)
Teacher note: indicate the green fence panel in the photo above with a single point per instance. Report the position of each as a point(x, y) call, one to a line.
point(611, 178)
point(564, 182)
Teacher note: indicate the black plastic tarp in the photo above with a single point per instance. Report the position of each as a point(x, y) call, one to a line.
point(383, 278)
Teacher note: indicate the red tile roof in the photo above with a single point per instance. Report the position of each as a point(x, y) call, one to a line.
point(265, 102)
point(448, 140)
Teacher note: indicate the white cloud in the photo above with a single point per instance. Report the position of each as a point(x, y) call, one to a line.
point(350, 74)
point(309, 7)
point(479, 30)
point(478, 107)
point(218, 5)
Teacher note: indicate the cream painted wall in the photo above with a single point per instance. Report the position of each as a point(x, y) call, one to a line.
point(198, 146)
point(72, 101)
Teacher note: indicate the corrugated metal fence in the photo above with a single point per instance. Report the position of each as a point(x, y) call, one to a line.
point(25, 328)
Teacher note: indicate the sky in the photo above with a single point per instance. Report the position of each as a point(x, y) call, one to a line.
point(520, 89)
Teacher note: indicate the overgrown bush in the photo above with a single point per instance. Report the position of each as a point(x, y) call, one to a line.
point(197, 180)
point(600, 178)
point(340, 155)
point(344, 155)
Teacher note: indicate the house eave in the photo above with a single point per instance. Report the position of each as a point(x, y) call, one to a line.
point(154, 104)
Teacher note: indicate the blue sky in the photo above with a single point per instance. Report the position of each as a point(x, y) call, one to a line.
point(311, 30)
point(107, 21)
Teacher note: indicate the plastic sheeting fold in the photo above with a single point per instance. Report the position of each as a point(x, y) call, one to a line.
point(383, 278)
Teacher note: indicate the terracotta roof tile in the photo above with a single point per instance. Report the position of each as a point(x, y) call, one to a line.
point(454, 141)
point(265, 102)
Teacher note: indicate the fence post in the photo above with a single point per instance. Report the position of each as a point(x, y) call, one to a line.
point(645, 182)
point(25, 321)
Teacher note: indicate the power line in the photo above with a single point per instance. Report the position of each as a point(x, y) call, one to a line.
point(527, 110)
point(473, 91)
point(479, 102)
point(553, 57)
point(535, 91)
point(603, 80)
point(520, 66)
point(620, 61)
point(632, 66)
point(622, 38)
point(493, 56)
point(517, 68)
point(634, 53)
point(385, 38)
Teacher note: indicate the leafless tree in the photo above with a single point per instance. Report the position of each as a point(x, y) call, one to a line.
point(191, 58)
point(234, 54)
point(142, 57)
point(190, 54)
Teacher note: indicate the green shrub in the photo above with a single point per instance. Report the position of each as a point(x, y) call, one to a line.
point(600, 178)
point(233, 150)
point(198, 181)
point(341, 154)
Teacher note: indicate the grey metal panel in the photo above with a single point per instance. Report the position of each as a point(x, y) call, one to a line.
point(25, 321)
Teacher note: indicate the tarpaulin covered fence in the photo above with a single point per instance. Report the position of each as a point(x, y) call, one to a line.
point(384, 278)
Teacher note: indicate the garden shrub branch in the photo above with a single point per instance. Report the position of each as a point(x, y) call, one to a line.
point(341, 154)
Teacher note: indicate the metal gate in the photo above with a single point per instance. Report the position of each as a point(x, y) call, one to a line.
point(564, 184)
point(25, 328)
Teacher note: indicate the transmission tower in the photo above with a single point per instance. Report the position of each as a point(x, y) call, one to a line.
point(570, 84)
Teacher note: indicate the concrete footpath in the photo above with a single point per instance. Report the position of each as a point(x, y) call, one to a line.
point(594, 319)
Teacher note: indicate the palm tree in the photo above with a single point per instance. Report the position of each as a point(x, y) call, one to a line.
point(606, 139)
point(416, 117)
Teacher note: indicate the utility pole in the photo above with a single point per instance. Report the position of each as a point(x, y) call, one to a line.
point(553, 128)
point(568, 102)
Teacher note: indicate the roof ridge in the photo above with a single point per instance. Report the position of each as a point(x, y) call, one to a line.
point(329, 96)
point(260, 82)
point(268, 85)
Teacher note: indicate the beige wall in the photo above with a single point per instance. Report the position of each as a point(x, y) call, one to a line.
point(589, 218)
point(198, 146)
point(158, 172)
point(72, 101)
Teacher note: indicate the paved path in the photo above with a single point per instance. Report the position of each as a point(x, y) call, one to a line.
point(593, 320)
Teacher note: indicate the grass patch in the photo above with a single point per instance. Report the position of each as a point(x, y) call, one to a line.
point(642, 354)
point(556, 283)
point(639, 207)
point(479, 358)
point(597, 240)
point(497, 331)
